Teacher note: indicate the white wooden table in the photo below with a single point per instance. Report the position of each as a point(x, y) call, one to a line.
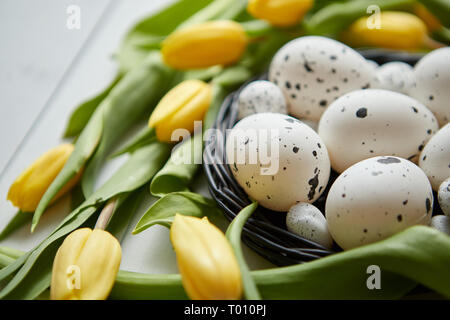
point(46, 69)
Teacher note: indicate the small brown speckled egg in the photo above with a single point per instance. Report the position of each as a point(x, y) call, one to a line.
point(377, 198)
point(314, 71)
point(374, 122)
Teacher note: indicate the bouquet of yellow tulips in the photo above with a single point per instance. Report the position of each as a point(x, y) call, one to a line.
point(176, 68)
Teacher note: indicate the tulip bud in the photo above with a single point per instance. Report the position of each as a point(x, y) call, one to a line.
point(208, 266)
point(396, 30)
point(180, 107)
point(28, 189)
point(85, 266)
point(204, 45)
point(281, 13)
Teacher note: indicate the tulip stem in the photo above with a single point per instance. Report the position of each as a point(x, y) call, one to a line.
point(106, 214)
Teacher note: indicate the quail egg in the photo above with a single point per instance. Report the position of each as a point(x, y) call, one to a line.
point(441, 223)
point(278, 160)
point(396, 76)
point(307, 221)
point(367, 123)
point(435, 157)
point(376, 198)
point(432, 74)
point(260, 96)
point(314, 71)
point(444, 196)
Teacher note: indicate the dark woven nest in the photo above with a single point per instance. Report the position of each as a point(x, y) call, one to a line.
point(265, 232)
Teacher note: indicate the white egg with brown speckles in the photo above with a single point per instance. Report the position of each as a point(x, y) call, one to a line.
point(435, 157)
point(376, 198)
point(374, 122)
point(278, 160)
point(396, 76)
point(432, 74)
point(260, 96)
point(444, 196)
point(314, 71)
point(307, 221)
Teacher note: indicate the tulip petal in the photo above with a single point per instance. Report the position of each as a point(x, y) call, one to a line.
point(174, 100)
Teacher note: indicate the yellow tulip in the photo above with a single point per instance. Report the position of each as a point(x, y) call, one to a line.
point(180, 107)
point(208, 266)
point(205, 45)
point(85, 266)
point(398, 30)
point(281, 13)
point(28, 189)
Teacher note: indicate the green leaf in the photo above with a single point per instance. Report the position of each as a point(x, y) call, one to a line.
point(417, 255)
point(233, 235)
point(163, 211)
point(137, 170)
point(19, 219)
point(131, 100)
point(439, 8)
point(142, 138)
point(332, 19)
point(178, 172)
point(81, 115)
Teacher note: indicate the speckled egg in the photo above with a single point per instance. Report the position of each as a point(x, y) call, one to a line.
point(396, 76)
point(432, 75)
point(444, 196)
point(261, 96)
point(307, 221)
point(278, 160)
point(441, 223)
point(377, 198)
point(314, 71)
point(367, 123)
point(435, 157)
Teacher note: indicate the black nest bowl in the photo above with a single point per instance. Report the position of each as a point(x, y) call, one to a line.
point(265, 231)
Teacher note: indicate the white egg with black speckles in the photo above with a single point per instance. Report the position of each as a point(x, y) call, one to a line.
point(396, 76)
point(374, 122)
point(444, 196)
point(278, 160)
point(376, 198)
point(373, 64)
point(432, 74)
point(260, 96)
point(441, 223)
point(310, 123)
point(435, 157)
point(314, 71)
point(307, 221)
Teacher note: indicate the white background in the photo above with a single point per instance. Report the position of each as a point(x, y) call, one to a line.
point(46, 70)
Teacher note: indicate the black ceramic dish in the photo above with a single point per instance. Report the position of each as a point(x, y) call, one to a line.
point(265, 232)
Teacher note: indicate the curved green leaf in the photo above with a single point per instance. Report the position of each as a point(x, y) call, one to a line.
point(233, 235)
point(163, 211)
